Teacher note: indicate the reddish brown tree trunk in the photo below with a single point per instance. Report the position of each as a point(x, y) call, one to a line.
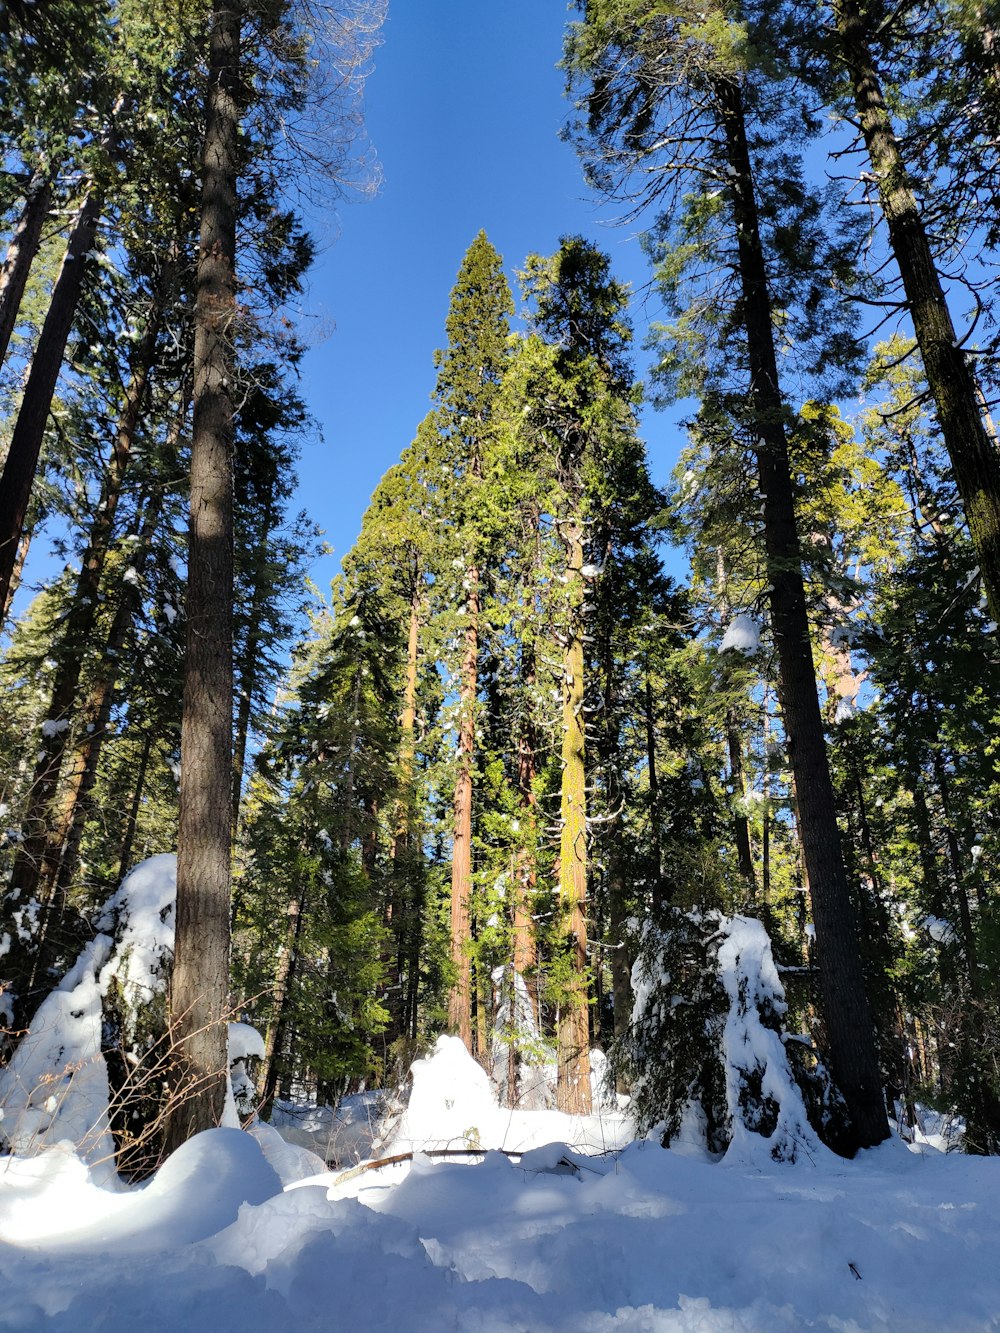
point(460, 997)
point(573, 1027)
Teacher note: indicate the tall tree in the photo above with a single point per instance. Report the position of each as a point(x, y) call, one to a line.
point(470, 372)
point(676, 76)
point(200, 985)
point(582, 406)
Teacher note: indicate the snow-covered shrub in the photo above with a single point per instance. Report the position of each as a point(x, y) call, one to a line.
point(705, 1049)
point(92, 1066)
point(670, 1053)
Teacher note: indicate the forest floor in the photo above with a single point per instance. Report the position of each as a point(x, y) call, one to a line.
point(246, 1231)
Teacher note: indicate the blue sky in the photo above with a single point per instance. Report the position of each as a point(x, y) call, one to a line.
point(464, 109)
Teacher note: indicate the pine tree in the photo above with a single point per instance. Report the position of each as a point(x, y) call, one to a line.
point(673, 76)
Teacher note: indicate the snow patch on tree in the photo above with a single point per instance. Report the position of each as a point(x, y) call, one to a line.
point(742, 636)
point(710, 1065)
point(763, 1099)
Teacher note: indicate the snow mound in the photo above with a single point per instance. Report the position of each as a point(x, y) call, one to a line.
point(199, 1190)
point(452, 1105)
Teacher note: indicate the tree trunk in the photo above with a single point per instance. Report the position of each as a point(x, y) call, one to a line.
point(284, 975)
point(20, 560)
point(246, 666)
point(26, 441)
point(200, 987)
point(573, 1035)
point(21, 252)
point(460, 997)
point(128, 836)
point(846, 1011)
point(400, 907)
point(974, 459)
point(525, 956)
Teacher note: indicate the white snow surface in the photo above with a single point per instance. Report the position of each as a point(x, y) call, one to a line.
point(230, 1236)
point(574, 1228)
point(742, 635)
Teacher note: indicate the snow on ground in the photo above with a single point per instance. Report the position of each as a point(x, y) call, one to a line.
point(234, 1233)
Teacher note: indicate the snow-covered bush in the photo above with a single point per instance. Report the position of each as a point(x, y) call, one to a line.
point(669, 1054)
point(92, 1066)
point(705, 1050)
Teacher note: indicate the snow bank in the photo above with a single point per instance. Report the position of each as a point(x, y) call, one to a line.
point(633, 1241)
point(641, 1241)
point(199, 1190)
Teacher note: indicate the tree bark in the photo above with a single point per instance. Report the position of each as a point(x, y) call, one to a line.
point(200, 985)
point(29, 429)
point(846, 1011)
point(460, 997)
point(20, 254)
point(974, 458)
point(284, 975)
point(573, 1034)
point(525, 956)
